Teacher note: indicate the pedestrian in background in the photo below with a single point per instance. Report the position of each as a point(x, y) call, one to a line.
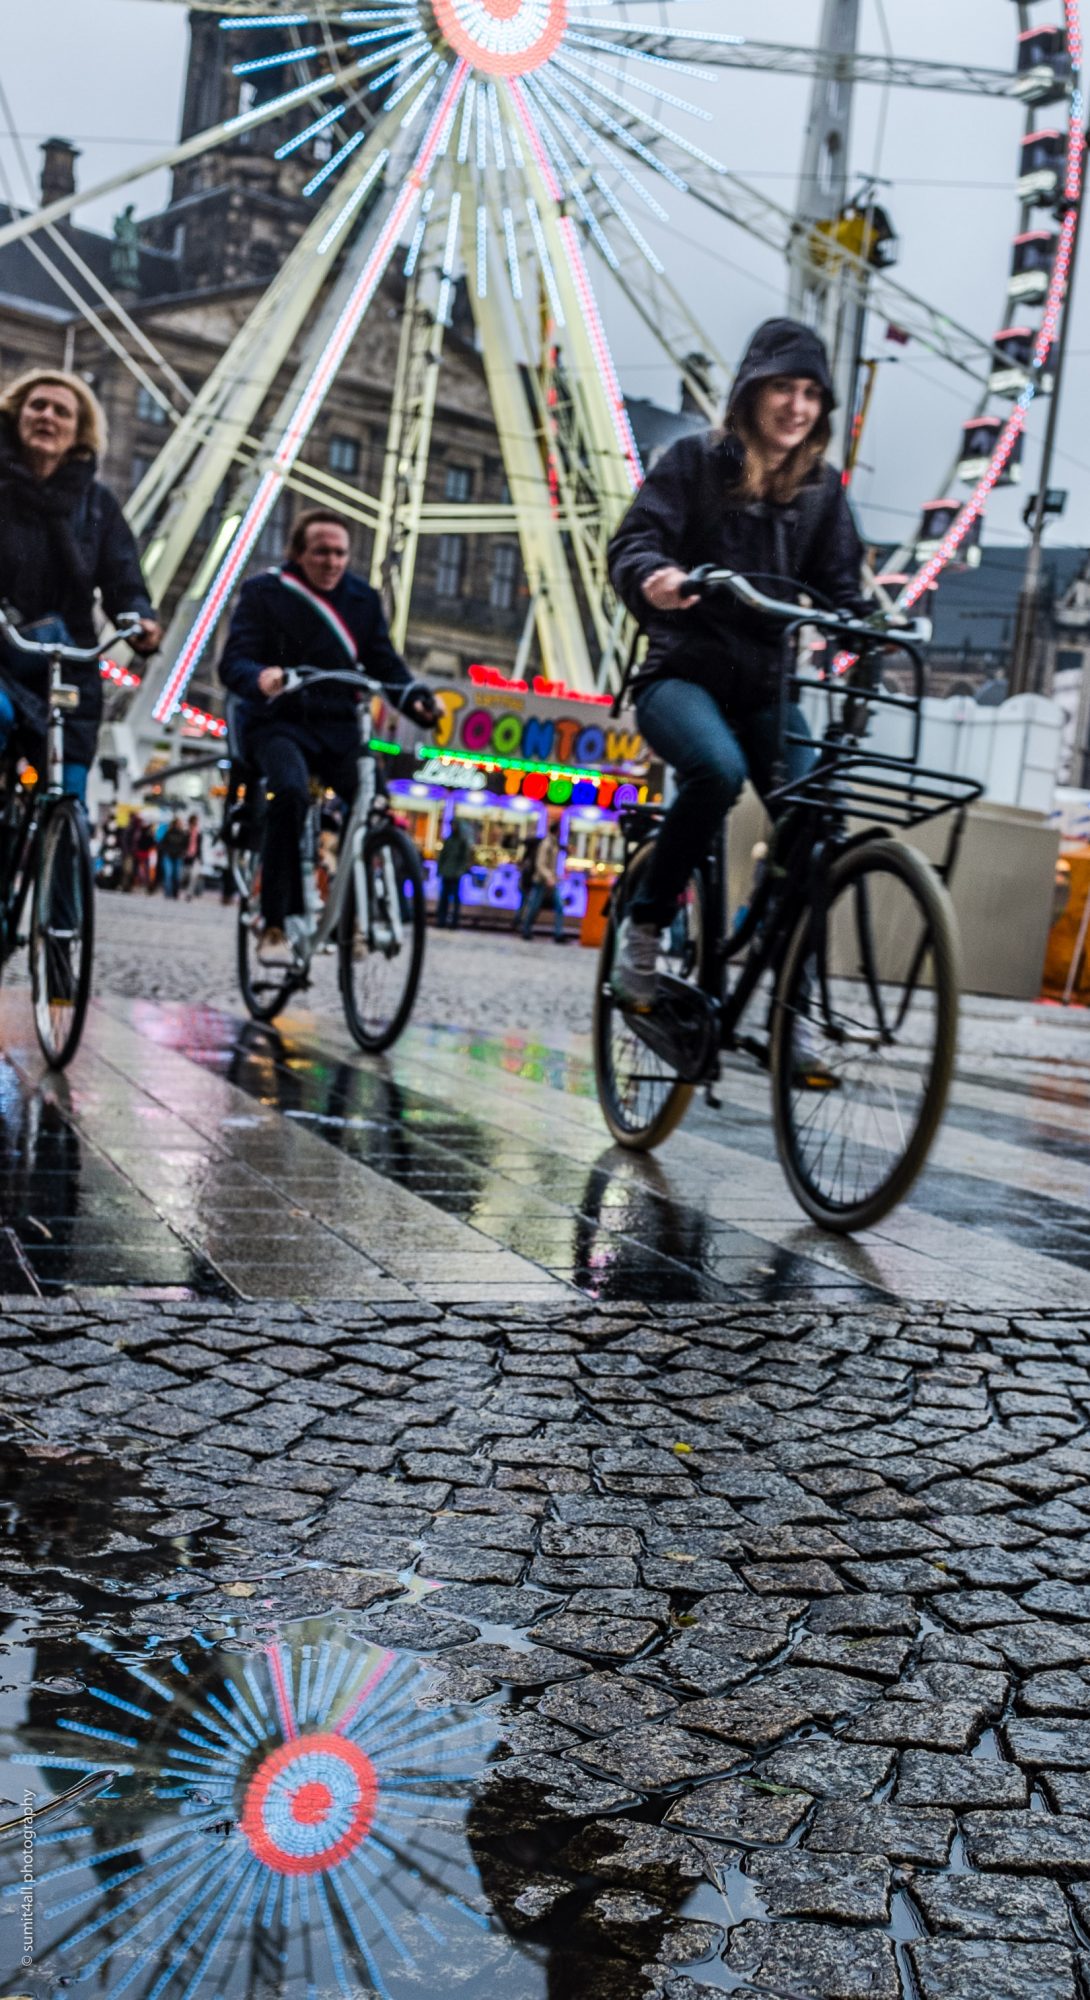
point(527, 865)
point(194, 859)
point(172, 853)
point(548, 869)
point(455, 856)
point(145, 855)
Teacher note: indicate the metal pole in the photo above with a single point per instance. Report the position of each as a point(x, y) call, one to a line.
point(1023, 666)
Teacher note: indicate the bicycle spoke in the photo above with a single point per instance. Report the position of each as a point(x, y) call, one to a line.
point(875, 1050)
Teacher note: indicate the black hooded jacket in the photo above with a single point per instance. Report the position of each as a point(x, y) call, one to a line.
point(690, 511)
point(61, 540)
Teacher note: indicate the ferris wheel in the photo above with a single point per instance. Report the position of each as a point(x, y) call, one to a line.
point(515, 145)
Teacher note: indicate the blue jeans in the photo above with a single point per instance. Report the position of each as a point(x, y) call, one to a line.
point(170, 874)
point(533, 909)
point(73, 776)
point(450, 902)
point(713, 758)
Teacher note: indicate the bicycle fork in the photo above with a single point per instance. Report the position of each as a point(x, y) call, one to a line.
point(393, 929)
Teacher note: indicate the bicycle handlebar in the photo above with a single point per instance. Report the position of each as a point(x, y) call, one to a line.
point(128, 628)
point(296, 678)
point(299, 677)
point(911, 632)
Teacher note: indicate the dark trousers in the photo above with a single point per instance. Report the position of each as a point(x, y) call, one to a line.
point(712, 757)
point(286, 757)
point(536, 903)
point(450, 902)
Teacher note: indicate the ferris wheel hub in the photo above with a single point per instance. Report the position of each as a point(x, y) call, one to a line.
point(503, 37)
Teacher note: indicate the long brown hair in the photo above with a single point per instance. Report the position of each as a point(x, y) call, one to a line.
point(756, 481)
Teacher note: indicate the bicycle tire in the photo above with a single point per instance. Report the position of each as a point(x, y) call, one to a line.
point(62, 925)
point(910, 881)
point(636, 1132)
point(373, 1025)
point(265, 989)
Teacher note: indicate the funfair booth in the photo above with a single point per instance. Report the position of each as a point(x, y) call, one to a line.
point(511, 758)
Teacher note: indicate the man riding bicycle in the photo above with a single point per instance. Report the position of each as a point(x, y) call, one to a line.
point(757, 496)
point(310, 612)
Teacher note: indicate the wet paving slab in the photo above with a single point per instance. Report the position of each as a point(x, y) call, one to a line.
point(195, 1154)
point(609, 1651)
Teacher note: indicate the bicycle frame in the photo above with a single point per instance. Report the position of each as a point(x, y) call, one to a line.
point(20, 863)
point(820, 835)
point(350, 868)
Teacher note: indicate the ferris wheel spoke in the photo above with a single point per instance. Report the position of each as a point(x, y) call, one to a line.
point(174, 156)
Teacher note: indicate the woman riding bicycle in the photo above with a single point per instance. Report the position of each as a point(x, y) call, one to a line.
point(63, 539)
point(757, 496)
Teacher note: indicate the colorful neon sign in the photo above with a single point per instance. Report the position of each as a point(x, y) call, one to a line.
point(536, 740)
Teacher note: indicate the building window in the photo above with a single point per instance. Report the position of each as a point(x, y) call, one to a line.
point(459, 482)
point(140, 465)
point(505, 570)
point(148, 411)
point(344, 456)
point(449, 566)
point(274, 534)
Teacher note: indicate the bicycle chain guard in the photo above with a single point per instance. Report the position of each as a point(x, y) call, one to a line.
point(681, 1028)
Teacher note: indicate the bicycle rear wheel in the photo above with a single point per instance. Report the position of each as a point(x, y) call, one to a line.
point(62, 932)
point(643, 1100)
point(381, 957)
point(266, 987)
point(864, 1035)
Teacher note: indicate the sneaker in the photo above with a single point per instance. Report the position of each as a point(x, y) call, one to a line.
point(635, 965)
point(809, 1069)
point(272, 944)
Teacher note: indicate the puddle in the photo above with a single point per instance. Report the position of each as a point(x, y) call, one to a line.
point(293, 1811)
point(281, 1817)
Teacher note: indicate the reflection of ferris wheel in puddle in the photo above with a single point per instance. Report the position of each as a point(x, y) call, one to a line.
point(342, 1801)
point(503, 140)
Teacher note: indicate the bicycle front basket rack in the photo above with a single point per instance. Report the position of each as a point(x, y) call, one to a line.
point(851, 782)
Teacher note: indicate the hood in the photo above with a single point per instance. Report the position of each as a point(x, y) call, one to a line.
point(783, 347)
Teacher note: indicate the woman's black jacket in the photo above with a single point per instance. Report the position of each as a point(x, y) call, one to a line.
point(61, 540)
point(690, 511)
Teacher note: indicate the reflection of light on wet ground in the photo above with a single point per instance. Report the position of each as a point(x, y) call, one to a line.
point(283, 1816)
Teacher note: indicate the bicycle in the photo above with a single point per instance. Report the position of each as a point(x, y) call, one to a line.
point(45, 855)
point(373, 913)
point(854, 929)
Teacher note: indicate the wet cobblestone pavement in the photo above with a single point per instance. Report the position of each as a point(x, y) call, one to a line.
point(562, 1650)
point(453, 1556)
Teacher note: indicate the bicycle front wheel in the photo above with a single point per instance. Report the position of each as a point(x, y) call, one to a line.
point(62, 933)
point(266, 985)
point(382, 944)
point(643, 1100)
point(864, 1035)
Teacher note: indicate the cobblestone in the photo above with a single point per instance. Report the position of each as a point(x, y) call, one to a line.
point(707, 1666)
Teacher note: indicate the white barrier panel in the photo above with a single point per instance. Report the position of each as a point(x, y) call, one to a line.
point(1071, 814)
point(1013, 750)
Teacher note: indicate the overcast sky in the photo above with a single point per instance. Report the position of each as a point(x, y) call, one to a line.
point(111, 80)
